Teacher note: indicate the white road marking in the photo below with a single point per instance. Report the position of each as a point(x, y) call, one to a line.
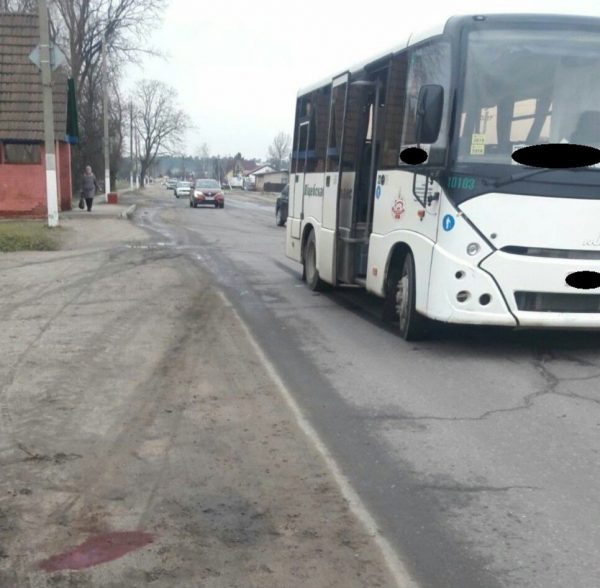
point(395, 565)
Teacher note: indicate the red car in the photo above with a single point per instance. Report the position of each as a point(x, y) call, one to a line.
point(207, 192)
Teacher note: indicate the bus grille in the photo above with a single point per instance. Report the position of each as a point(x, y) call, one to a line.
point(552, 302)
point(557, 253)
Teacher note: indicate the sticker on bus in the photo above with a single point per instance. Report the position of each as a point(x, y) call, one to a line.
point(477, 144)
point(448, 222)
point(398, 209)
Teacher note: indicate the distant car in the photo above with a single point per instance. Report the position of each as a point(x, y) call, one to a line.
point(281, 206)
point(237, 182)
point(183, 189)
point(207, 192)
point(171, 184)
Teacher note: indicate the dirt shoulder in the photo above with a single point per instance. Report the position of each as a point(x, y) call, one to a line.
point(29, 235)
point(142, 440)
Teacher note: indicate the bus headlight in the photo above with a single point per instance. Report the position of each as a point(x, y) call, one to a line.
point(473, 249)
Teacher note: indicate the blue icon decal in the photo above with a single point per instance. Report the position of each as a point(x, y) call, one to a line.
point(378, 191)
point(448, 222)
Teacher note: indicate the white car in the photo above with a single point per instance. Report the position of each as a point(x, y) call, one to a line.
point(236, 182)
point(183, 189)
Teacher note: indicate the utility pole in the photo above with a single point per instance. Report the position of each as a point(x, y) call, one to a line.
point(106, 140)
point(137, 155)
point(51, 184)
point(131, 144)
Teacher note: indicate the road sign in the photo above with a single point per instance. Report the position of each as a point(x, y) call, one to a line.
point(448, 222)
point(57, 57)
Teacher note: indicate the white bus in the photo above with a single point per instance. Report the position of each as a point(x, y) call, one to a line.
point(469, 236)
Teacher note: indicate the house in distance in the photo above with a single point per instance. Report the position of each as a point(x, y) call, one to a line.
point(22, 156)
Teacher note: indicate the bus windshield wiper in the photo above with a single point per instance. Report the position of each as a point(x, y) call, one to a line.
point(496, 183)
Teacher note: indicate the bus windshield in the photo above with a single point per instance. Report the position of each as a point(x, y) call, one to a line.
point(525, 87)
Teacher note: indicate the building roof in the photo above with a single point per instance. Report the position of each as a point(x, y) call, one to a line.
point(272, 172)
point(257, 170)
point(21, 106)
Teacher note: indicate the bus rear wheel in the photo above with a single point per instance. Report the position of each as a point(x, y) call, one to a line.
point(311, 273)
point(413, 326)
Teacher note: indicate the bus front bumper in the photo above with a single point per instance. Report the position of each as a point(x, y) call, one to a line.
point(537, 292)
point(511, 290)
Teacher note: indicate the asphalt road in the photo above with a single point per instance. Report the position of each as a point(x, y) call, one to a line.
point(476, 451)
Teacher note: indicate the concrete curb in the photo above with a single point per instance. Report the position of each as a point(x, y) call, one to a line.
point(128, 214)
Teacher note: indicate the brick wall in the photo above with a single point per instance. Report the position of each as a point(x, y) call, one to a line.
point(23, 186)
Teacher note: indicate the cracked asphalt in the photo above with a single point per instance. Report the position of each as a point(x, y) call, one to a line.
point(475, 451)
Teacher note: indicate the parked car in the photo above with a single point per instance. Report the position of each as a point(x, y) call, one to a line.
point(281, 206)
point(236, 182)
point(207, 192)
point(171, 184)
point(183, 189)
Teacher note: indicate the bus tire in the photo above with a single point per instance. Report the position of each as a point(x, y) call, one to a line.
point(309, 261)
point(412, 325)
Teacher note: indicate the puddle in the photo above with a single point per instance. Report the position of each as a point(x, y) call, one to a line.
point(159, 245)
point(98, 549)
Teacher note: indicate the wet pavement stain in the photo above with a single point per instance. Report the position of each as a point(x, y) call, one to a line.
point(96, 550)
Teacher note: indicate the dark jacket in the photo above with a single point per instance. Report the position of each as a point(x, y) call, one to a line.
point(89, 186)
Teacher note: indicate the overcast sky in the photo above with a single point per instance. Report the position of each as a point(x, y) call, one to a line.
point(237, 66)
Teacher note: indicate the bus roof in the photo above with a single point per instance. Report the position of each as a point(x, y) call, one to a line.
point(439, 29)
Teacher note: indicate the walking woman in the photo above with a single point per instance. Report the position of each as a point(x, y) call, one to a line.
point(89, 187)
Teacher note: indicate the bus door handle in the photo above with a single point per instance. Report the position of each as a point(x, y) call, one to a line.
point(327, 181)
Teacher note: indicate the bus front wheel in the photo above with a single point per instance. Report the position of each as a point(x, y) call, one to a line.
point(311, 273)
point(412, 324)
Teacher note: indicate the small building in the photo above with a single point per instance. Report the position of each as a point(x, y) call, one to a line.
point(238, 168)
point(22, 156)
point(271, 181)
point(250, 176)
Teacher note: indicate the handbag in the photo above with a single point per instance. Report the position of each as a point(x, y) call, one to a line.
point(81, 202)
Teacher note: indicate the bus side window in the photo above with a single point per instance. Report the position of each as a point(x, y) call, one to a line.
point(427, 65)
point(393, 115)
point(336, 126)
point(321, 128)
point(352, 128)
point(310, 137)
point(299, 141)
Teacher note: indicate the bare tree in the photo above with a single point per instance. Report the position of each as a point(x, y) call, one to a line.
point(79, 28)
point(203, 154)
point(29, 6)
point(25, 6)
point(118, 118)
point(82, 25)
point(204, 151)
point(279, 150)
point(158, 120)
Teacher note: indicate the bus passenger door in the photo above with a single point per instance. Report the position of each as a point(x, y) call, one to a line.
point(331, 195)
point(357, 173)
point(296, 194)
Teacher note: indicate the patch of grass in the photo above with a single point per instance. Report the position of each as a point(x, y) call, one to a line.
point(28, 236)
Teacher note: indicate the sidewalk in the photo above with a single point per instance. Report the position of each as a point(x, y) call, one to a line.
point(101, 208)
point(143, 442)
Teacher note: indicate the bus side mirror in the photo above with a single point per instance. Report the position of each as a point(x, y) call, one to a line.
point(430, 108)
